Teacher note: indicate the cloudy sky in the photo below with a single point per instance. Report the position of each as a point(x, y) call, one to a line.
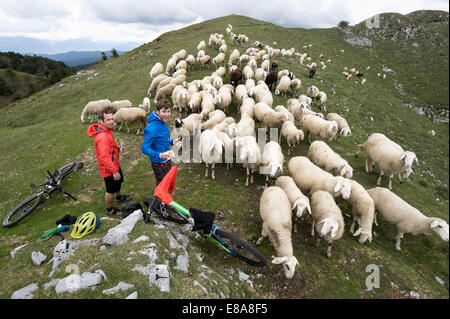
point(132, 23)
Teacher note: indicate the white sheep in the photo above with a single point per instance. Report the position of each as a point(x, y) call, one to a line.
point(245, 127)
point(223, 125)
point(190, 60)
point(268, 116)
point(157, 69)
point(343, 127)
point(207, 105)
point(363, 209)
point(296, 198)
point(249, 84)
point(305, 100)
point(164, 92)
point(389, 155)
point(203, 61)
point(219, 59)
point(312, 92)
point(260, 74)
point(312, 124)
point(272, 160)
point(145, 105)
point(248, 153)
point(215, 117)
point(283, 86)
point(408, 219)
point(247, 108)
point(155, 83)
point(180, 98)
point(190, 123)
point(327, 219)
point(94, 108)
point(171, 63)
point(295, 85)
point(310, 178)
point(323, 156)
point(265, 65)
point(131, 115)
point(223, 99)
point(275, 211)
point(247, 72)
point(195, 101)
point(292, 134)
point(116, 105)
point(240, 93)
point(211, 148)
point(201, 45)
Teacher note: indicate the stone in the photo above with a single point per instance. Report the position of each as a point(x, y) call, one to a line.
point(119, 234)
point(15, 250)
point(141, 239)
point(25, 292)
point(159, 275)
point(75, 282)
point(120, 286)
point(134, 295)
point(37, 257)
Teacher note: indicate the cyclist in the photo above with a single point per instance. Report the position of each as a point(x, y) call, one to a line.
point(157, 140)
point(107, 153)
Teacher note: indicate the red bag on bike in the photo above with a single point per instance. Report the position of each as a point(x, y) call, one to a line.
point(167, 186)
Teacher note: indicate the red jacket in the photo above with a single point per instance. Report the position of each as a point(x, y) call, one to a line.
point(106, 149)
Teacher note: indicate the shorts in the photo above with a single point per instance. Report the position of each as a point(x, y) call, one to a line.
point(161, 169)
point(113, 186)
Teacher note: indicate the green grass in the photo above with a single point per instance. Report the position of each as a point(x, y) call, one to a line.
point(44, 131)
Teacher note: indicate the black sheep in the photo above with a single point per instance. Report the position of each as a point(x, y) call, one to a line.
point(271, 79)
point(359, 74)
point(235, 77)
point(312, 72)
point(274, 64)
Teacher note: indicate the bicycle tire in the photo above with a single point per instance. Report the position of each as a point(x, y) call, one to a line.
point(65, 170)
point(173, 215)
point(27, 206)
point(243, 250)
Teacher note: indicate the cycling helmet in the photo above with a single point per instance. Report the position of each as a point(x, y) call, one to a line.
point(85, 224)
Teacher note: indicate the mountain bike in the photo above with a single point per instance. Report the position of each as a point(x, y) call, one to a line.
point(232, 244)
point(51, 184)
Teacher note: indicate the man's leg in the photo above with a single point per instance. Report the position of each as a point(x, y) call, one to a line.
point(109, 200)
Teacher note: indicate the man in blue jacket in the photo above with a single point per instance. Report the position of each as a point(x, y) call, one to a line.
point(157, 140)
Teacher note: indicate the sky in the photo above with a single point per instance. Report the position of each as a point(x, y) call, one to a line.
point(98, 24)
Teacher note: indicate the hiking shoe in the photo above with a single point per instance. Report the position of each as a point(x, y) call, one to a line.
point(123, 198)
point(112, 211)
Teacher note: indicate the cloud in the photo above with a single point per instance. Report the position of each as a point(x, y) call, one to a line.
point(31, 9)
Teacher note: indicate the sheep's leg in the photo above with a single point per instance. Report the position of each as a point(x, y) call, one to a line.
point(246, 180)
point(329, 249)
point(312, 229)
point(352, 227)
point(128, 129)
point(251, 176)
point(367, 166)
point(398, 238)
point(121, 123)
point(295, 222)
point(212, 171)
point(206, 173)
point(318, 241)
point(390, 180)
point(263, 234)
point(375, 219)
point(379, 179)
point(267, 179)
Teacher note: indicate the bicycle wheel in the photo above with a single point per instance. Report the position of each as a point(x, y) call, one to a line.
point(22, 210)
point(65, 170)
point(173, 215)
point(243, 250)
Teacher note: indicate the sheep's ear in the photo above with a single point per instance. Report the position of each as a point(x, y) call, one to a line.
point(416, 160)
point(337, 187)
point(334, 231)
point(413, 172)
point(279, 260)
point(343, 171)
point(434, 224)
point(308, 207)
point(403, 156)
point(356, 233)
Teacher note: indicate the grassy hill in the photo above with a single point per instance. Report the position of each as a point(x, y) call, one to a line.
point(44, 131)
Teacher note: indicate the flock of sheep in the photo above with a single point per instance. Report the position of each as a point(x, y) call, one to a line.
point(314, 181)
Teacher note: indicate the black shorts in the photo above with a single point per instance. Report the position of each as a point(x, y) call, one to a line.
point(113, 186)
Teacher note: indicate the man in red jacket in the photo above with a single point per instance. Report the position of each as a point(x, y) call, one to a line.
point(107, 153)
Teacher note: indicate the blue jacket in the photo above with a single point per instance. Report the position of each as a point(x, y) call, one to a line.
point(157, 139)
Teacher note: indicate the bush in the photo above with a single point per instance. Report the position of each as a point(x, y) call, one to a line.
point(343, 24)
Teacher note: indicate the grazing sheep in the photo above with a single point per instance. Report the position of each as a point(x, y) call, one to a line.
point(283, 86)
point(155, 83)
point(305, 100)
point(265, 65)
point(322, 97)
point(319, 127)
point(94, 108)
point(292, 134)
point(223, 98)
point(247, 108)
point(272, 160)
point(268, 116)
point(247, 72)
point(245, 127)
point(248, 153)
point(234, 56)
point(311, 178)
point(205, 60)
point(131, 115)
point(275, 211)
point(241, 93)
point(215, 117)
point(295, 196)
point(295, 85)
point(195, 101)
point(261, 94)
point(145, 105)
point(157, 69)
point(249, 84)
point(363, 209)
point(181, 65)
point(165, 92)
point(312, 92)
point(274, 65)
point(190, 60)
point(223, 126)
point(116, 105)
point(171, 63)
point(190, 123)
point(210, 148)
point(260, 74)
point(219, 59)
point(408, 219)
point(235, 77)
point(207, 104)
point(327, 219)
point(221, 71)
point(343, 127)
point(271, 79)
point(289, 115)
point(223, 48)
point(323, 156)
point(180, 98)
point(389, 155)
point(201, 45)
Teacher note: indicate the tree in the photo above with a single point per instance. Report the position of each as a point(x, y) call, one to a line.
point(104, 57)
point(114, 53)
point(343, 24)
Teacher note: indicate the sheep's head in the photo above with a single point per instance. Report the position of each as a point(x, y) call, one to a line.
point(343, 186)
point(178, 123)
point(406, 172)
point(288, 263)
point(274, 167)
point(332, 128)
point(440, 227)
point(364, 235)
point(300, 135)
point(409, 158)
point(347, 171)
point(301, 205)
point(345, 131)
point(329, 227)
point(232, 130)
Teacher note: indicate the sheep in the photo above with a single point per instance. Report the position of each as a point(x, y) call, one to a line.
point(171, 63)
point(318, 126)
point(292, 135)
point(265, 65)
point(219, 59)
point(241, 93)
point(190, 123)
point(305, 100)
point(289, 115)
point(408, 219)
point(223, 98)
point(204, 61)
point(228, 145)
point(253, 64)
point(295, 85)
point(247, 72)
point(322, 97)
point(157, 69)
point(363, 209)
point(215, 117)
point(247, 107)
point(201, 45)
point(210, 148)
point(145, 105)
point(207, 104)
point(181, 65)
point(116, 105)
point(155, 83)
point(245, 127)
point(431, 133)
point(223, 126)
point(293, 106)
point(260, 74)
point(234, 56)
point(221, 71)
point(249, 84)
point(235, 77)
point(312, 91)
point(217, 81)
point(274, 65)
point(190, 60)
point(248, 153)
point(327, 219)
point(311, 178)
point(268, 116)
point(165, 92)
point(131, 115)
point(343, 127)
point(275, 211)
point(180, 98)
point(194, 101)
point(272, 160)
point(390, 157)
point(283, 86)
point(223, 48)
point(363, 81)
point(94, 108)
point(296, 198)
point(260, 94)
point(323, 156)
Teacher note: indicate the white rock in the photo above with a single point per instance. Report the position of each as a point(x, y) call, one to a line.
point(119, 234)
point(37, 257)
point(414, 295)
point(15, 250)
point(196, 283)
point(25, 292)
point(141, 239)
point(75, 282)
point(183, 263)
point(120, 286)
point(134, 295)
point(159, 275)
point(439, 280)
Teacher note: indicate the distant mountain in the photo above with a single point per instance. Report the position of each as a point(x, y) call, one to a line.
point(77, 58)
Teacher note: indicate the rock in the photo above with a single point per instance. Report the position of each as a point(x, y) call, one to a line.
point(37, 257)
point(364, 42)
point(151, 252)
point(439, 280)
point(15, 250)
point(120, 286)
point(101, 273)
point(51, 284)
point(75, 282)
point(134, 295)
point(141, 239)
point(25, 292)
point(159, 275)
point(119, 234)
point(196, 283)
point(183, 262)
point(414, 295)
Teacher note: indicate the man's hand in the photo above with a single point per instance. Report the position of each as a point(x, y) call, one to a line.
point(165, 155)
point(116, 176)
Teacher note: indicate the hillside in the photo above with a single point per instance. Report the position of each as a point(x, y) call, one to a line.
point(44, 131)
point(79, 59)
point(21, 76)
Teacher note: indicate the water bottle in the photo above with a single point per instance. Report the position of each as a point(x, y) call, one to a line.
point(121, 145)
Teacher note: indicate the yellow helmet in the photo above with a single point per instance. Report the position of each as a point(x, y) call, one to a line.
point(85, 224)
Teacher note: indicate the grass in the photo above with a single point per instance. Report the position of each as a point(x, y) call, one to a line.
point(44, 131)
